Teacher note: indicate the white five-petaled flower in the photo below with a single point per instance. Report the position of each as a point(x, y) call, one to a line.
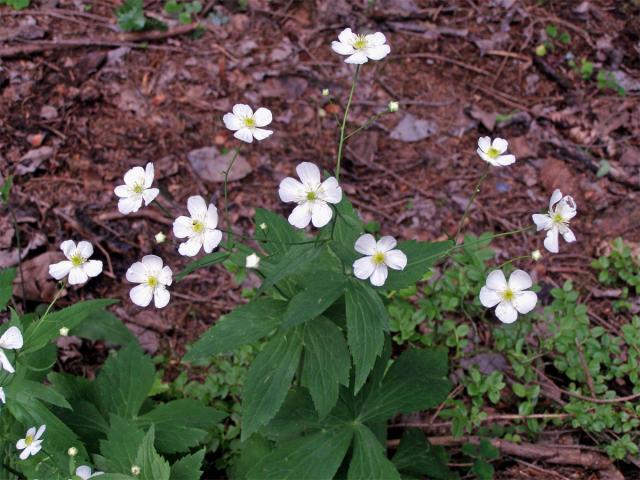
point(10, 340)
point(77, 266)
point(137, 187)
point(361, 48)
point(153, 278)
point(246, 123)
point(200, 228)
point(379, 256)
point(84, 472)
point(311, 195)
point(31, 443)
point(510, 297)
point(561, 211)
point(252, 261)
point(492, 151)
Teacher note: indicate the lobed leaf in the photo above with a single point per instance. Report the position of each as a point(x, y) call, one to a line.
point(421, 256)
point(369, 458)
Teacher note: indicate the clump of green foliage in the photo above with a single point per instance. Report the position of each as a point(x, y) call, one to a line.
point(131, 17)
point(16, 4)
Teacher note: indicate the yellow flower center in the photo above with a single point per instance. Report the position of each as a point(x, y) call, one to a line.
point(508, 295)
point(77, 260)
point(557, 218)
point(152, 281)
point(378, 258)
point(360, 43)
point(198, 226)
point(249, 122)
point(28, 440)
point(493, 152)
point(311, 196)
point(138, 188)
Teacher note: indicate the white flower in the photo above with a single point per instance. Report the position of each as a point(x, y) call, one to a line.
point(153, 279)
point(561, 211)
point(137, 187)
point(3, 397)
point(536, 255)
point(511, 298)
point(361, 48)
point(77, 266)
point(245, 123)
point(393, 106)
point(84, 472)
point(252, 261)
point(492, 151)
point(200, 228)
point(380, 255)
point(10, 340)
point(31, 443)
point(311, 196)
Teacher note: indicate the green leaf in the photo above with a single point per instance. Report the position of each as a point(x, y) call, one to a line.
point(246, 324)
point(367, 320)
point(131, 16)
point(417, 457)
point(121, 446)
point(206, 261)
point(86, 421)
point(296, 417)
point(319, 294)
point(188, 467)
point(421, 256)
point(252, 451)
point(41, 332)
point(173, 8)
point(5, 190)
point(107, 327)
point(348, 227)
point(152, 466)
point(316, 456)
point(278, 234)
point(268, 380)
point(6, 286)
point(21, 388)
point(326, 363)
point(124, 382)
point(369, 458)
point(417, 380)
point(294, 260)
point(180, 424)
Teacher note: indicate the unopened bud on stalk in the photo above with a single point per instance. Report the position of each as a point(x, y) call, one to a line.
point(72, 452)
point(252, 261)
point(325, 92)
point(64, 331)
point(394, 106)
point(536, 255)
point(160, 237)
point(135, 470)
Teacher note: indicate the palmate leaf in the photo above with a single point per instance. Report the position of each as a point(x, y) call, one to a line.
point(369, 458)
point(326, 363)
point(268, 380)
point(420, 257)
point(278, 235)
point(367, 320)
point(417, 380)
point(348, 227)
point(320, 292)
point(105, 326)
point(246, 324)
point(188, 467)
point(297, 258)
point(417, 457)
point(152, 466)
point(120, 448)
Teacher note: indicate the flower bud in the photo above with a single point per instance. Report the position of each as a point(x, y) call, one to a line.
point(64, 331)
point(325, 92)
point(160, 237)
point(394, 106)
point(135, 470)
point(536, 255)
point(72, 452)
point(263, 226)
point(252, 261)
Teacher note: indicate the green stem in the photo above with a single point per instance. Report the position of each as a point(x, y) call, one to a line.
point(164, 210)
point(344, 121)
point(17, 229)
point(476, 190)
point(367, 124)
point(226, 198)
point(513, 260)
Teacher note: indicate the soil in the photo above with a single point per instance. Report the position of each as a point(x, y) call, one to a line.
point(82, 103)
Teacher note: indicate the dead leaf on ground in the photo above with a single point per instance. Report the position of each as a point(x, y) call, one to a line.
point(413, 129)
point(38, 285)
point(209, 165)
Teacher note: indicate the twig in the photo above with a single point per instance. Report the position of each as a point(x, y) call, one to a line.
point(585, 367)
point(434, 56)
point(603, 401)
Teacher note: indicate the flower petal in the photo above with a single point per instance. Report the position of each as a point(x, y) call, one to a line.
point(191, 247)
point(25, 454)
point(489, 298)
point(261, 133)
point(506, 312)
point(93, 268)
point(263, 117)
point(291, 190)
point(136, 273)
point(6, 364)
point(141, 295)
point(496, 281)
point(3, 397)
point(386, 243)
point(330, 191)
point(486, 157)
point(130, 204)
point(122, 191)
point(568, 235)
point(166, 276)
point(504, 160)
point(85, 249)
point(241, 110)
point(525, 301)
point(500, 144)
point(309, 174)
point(347, 36)
point(68, 247)
point(161, 297)
point(551, 241)
point(301, 216)
point(379, 275)
point(84, 472)
point(197, 207)
point(232, 122)
point(395, 259)
point(149, 173)
point(182, 227)
point(133, 176)
point(342, 48)
point(363, 267)
point(378, 52)
point(556, 196)
point(149, 195)
point(212, 216)
point(21, 444)
point(77, 276)
point(519, 281)
point(244, 134)
point(60, 270)
point(366, 244)
point(40, 431)
point(374, 39)
point(152, 263)
point(11, 339)
point(567, 208)
point(484, 143)
point(212, 239)
point(543, 222)
point(358, 58)
point(321, 213)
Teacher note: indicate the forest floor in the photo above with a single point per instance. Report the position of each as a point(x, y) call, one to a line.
point(81, 103)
